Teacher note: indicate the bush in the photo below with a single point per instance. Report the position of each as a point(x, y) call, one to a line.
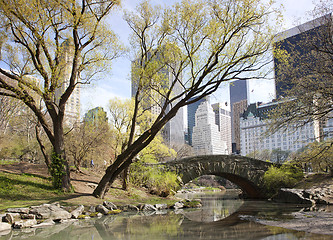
point(285, 176)
point(154, 178)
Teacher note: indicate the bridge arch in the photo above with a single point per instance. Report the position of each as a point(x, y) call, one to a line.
point(246, 172)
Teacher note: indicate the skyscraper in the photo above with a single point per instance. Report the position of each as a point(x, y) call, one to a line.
point(301, 43)
point(73, 104)
point(238, 103)
point(223, 121)
point(191, 109)
point(303, 67)
point(206, 137)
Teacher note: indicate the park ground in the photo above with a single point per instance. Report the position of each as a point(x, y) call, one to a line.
point(26, 184)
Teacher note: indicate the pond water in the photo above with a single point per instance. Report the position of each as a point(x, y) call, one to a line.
point(217, 219)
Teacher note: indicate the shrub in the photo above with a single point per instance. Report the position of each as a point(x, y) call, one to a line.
point(285, 176)
point(154, 178)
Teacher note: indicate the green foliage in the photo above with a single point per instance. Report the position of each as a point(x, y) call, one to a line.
point(275, 155)
point(285, 176)
point(57, 170)
point(155, 178)
point(317, 155)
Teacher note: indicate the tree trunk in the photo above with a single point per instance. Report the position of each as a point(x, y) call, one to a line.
point(110, 175)
point(42, 147)
point(59, 149)
point(125, 179)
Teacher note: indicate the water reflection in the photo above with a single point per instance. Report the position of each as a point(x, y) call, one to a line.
point(215, 206)
point(177, 225)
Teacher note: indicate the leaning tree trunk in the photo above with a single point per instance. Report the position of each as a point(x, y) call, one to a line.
point(111, 173)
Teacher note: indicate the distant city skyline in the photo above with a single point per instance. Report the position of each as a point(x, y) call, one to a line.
point(117, 83)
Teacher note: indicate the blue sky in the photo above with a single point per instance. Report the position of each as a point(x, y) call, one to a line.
point(117, 83)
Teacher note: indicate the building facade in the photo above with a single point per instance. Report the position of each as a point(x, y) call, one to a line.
point(253, 137)
point(238, 109)
point(301, 43)
point(238, 102)
point(191, 110)
point(223, 121)
point(73, 104)
point(206, 137)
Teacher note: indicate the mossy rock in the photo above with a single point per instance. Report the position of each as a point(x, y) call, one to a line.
point(192, 204)
point(116, 211)
point(95, 214)
point(82, 216)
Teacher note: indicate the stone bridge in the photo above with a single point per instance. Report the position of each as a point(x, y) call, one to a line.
point(245, 172)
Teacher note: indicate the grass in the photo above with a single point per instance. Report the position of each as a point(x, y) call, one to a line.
point(7, 161)
point(25, 189)
point(22, 190)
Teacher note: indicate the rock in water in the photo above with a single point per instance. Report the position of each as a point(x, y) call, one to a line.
point(101, 209)
point(77, 212)
point(51, 211)
point(109, 205)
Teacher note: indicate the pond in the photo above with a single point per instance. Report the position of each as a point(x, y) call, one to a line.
point(219, 218)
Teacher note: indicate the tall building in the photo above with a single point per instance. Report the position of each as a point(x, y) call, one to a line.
point(95, 115)
point(191, 110)
point(239, 96)
point(206, 138)
point(237, 110)
point(301, 43)
point(306, 48)
point(223, 121)
point(174, 131)
point(253, 126)
point(73, 105)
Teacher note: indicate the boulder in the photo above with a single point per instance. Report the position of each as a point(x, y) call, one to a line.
point(52, 211)
point(92, 209)
point(5, 226)
point(130, 207)
point(178, 205)
point(18, 210)
point(296, 196)
point(101, 209)
point(11, 218)
point(28, 216)
point(2, 217)
point(109, 205)
point(149, 208)
point(24, 223)
point(78, 211)
point(319, 195)
point(161, 206)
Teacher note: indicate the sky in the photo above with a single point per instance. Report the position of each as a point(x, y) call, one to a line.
point(117, 82)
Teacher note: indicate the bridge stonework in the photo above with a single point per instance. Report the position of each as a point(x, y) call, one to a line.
point(246, 172)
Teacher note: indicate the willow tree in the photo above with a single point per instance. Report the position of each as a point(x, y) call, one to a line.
point(188, 50)
point(48, 49)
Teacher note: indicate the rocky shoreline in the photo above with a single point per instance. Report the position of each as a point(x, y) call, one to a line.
point(51, 214)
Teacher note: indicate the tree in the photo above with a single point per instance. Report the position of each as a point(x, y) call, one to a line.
point(9, 108)
point(303, 69)
point(264, 155)
point(194, 46)
point(318, 156)
point(83, 141)
point(47, 46)
point(279, 156)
